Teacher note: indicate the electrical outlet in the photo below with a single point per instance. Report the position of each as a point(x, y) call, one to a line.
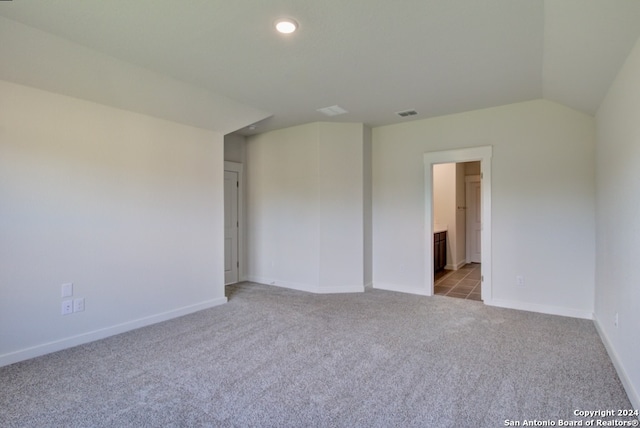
point(520, 280)
point(78, 304)
point(67, 307)
point(67, 289)
point(615, 321)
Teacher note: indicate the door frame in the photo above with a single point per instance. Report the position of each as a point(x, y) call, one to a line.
point(482, 154)
point(238, 168)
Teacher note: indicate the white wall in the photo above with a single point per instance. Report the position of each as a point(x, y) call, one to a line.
point(341, 206)
point(77, 71)
point(471, 168)
point(125, 206)
point(461, 226)
point(368, 208)
point(542, 202)
point(448, 196)
point(618, 230)
point(234, 148)
point(444, 205)
point(282, 209)
point(444, 192)
point(305, 207)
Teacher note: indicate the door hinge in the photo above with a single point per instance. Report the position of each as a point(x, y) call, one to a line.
point(237, 184)
point(238, 264)
point(481, 278)
point(237, 224)
point(481, 175)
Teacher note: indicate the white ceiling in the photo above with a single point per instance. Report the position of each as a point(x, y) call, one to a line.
point(371, 57)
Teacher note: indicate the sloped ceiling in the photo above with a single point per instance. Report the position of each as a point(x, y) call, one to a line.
point(371, 57)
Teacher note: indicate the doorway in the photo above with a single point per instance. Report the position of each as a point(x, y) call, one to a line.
point(457, 227)
point(232, 222)
point(483, 155)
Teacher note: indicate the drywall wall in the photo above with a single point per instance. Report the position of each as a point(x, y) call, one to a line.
point(461, 227)
point(282, 207)
point(341, 206)
point(617, 295)
point(234, 148)
point(444, 205)
point(126, 207)
point(368, 208)
point(448, 210)
point(471, 168)
point(305, 207)
point(444, 180)
point(543, 198)
point(75, 70)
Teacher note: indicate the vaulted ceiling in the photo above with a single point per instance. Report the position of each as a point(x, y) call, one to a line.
point(370, 57)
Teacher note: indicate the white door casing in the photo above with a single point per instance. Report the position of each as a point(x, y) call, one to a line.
point(482, 154)
point(473, 192)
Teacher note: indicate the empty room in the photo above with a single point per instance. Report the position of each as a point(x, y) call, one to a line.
point(297, 213)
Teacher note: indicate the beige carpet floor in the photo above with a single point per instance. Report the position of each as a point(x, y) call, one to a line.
point(274, 357)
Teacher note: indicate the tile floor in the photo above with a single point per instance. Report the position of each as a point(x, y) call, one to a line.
point(463, 283)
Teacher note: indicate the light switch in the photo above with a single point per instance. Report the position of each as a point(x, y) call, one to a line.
point(67, 289)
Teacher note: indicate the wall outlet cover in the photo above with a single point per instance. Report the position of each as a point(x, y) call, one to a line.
point(78, 305)
point(67, 307)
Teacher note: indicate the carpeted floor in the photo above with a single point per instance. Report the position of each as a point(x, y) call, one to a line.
point(274, 357)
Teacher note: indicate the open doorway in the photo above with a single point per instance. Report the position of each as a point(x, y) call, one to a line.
point(482, 155)
point(457, 229)
point(232, 222)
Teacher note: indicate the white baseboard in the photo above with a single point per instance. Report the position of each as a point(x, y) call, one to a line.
point(69, 342)
point(543, 309)
point(340, 289)
point(309, 288)
point(285, 284)
point(455, 267)
point(634, 395)
point(421, 291)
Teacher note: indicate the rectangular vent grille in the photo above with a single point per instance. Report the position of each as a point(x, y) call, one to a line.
point(406, 113)
point(332, 111)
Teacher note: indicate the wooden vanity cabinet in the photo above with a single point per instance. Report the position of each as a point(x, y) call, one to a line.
point(439, 250)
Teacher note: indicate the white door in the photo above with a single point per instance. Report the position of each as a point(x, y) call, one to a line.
point(230, 227)
point(474, 219)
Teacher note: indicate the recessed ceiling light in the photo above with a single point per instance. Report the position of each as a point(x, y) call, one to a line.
point(286, 25)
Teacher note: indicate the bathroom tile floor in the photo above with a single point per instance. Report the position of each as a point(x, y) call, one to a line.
point(463, 283)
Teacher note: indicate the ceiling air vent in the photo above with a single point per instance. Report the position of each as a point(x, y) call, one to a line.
point(332, 111)
point(406, 113)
